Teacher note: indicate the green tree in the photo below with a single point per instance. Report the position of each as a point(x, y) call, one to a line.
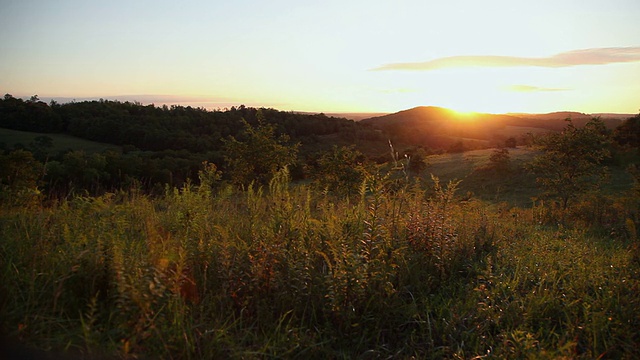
point(628, 133)
point(571, 160)
point(417, 161)
point(511, 142)
point(500, 160)
point(41, 146)
point(340, 170)
point(259, 154)
point(20, 175)
point(78, 171)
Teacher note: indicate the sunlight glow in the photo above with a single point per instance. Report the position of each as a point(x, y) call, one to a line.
point(464, 115)
point(487, 58)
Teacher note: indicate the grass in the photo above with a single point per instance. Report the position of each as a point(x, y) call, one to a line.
point(516, 131)
point(288, 272)
point(513, 185)
point(61, 142)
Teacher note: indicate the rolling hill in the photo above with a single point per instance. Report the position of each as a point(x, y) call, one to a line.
point(437, 127)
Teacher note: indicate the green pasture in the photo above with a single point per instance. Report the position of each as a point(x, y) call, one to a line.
point(61, 142)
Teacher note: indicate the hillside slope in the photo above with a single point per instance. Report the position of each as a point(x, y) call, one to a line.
point(437, 127)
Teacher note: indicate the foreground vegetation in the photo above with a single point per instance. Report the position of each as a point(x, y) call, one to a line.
point(288, 271)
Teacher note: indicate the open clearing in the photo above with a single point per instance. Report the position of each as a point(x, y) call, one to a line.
point(61, 142)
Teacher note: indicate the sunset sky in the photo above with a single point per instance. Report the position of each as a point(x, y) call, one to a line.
point(330, 56)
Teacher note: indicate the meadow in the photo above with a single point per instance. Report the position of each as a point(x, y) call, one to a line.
point(60, 142)
point(406, 268)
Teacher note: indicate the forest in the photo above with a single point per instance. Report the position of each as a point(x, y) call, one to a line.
point(256, 233)
point(158, 145)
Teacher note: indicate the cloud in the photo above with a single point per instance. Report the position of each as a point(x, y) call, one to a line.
point(529, 88)
point(597, 56)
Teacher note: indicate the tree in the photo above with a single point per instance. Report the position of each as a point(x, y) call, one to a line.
point(511, 142)
point(258, 155)
point(340, 170)
point(628, 133)
point(41, 146)
point(571, 162)
point(78, 171)
point(417, 161)
point(20, 176)
point(500, 159)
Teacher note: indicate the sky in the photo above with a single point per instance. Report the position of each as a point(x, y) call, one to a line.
point(328, 56)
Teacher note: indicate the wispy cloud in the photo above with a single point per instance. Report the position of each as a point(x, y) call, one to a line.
point(529, 88)
point(596, 56)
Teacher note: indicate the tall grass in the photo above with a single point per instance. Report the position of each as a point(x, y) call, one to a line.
point(287, 271)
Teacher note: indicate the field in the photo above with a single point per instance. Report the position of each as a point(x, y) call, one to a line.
point(289, 271)
point(61, 142)
point(515, 186)
point(516, 131)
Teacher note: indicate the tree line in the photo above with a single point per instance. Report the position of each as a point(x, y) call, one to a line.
point(168, 144)
point(148, 127)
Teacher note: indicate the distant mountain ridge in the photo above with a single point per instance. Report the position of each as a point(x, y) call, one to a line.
point(613, 115)
point(573, 115)
point(438, 127)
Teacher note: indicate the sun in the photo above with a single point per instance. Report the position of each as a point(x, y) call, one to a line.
point(478, 90)
point(464, 114)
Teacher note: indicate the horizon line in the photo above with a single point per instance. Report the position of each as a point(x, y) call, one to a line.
point(159, 100)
